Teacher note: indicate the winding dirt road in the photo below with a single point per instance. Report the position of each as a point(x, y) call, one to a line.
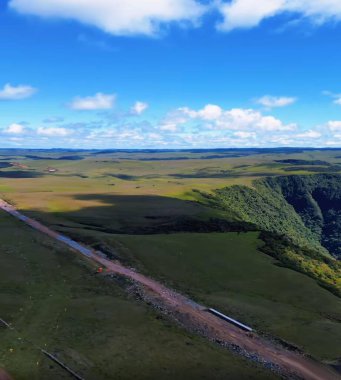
point(196, 317)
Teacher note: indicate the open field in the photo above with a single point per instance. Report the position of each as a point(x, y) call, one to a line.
point(96, 183)
point(55, 300)
point(137, 206)
point(170, 190)
point(160, 173)
point(226, 271)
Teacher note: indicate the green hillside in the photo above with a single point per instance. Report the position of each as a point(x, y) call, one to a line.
point(95, 325)
point(300, 217)
point(227, 271)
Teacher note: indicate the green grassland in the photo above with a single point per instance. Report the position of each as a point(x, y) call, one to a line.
point(124, 202)
point(140, 192)
point(80, 184)
point(55, 301)
point(228, 272)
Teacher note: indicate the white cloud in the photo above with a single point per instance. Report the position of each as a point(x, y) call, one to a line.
point(146, 17)
point(336, 97)
point(124, 135)
point(271, 124)
point(240, 118)
point(15, 129)
point(210, 112)
point(247, 13)
point(275, 101)
point(17, 139)
point(54, 132)
point(209, 126)
point(245, 135)
point(169, 127)
point(9, 92)
point(308, 135)
point(333, 143)
point(334, 125)
point(155, 136)
point(175, 119)
point(119, 17)
point(97, 102)
point(139, 107)
point(213, 117)
point(250, 13)
point(214, 125)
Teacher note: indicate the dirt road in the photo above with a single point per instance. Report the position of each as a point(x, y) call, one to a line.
point(195, 316)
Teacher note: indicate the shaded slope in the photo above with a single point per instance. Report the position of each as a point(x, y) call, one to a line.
point(199, 320)
point(306, 209)
point(92, 323)
point(299, 217)
point(317, 200)
point(227, 271)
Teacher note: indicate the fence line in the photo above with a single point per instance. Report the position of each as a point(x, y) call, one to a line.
point(46, 353)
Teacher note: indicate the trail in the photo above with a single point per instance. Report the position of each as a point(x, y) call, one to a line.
point(196, 317)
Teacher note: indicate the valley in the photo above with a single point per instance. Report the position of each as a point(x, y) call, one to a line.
point(228, 229)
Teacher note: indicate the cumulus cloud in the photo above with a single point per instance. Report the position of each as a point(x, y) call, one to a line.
point(15, 129)
point(9, 92)
point(139, 107)
point(91, 103)
point(245, 135)
point(131, 17)
point(247, 13)
point(251, 119)
point(175, 119)
point(209, 126)
point(233, 119)
point(210, 112)
point(334, 125)
point(250, 13)
point(215, 126)
point(169, 127)
point(118, 17)
point(275, 101)
point(54, 132)
point(311, 134)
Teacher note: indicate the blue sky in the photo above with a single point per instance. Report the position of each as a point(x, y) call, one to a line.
point(170, 73)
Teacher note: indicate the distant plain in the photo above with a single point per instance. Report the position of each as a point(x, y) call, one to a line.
point(139, 207)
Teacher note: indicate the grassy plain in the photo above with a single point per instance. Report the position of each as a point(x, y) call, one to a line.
point(55, 301)
point(100, 183)
point(228, 272)
point(106, 198)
